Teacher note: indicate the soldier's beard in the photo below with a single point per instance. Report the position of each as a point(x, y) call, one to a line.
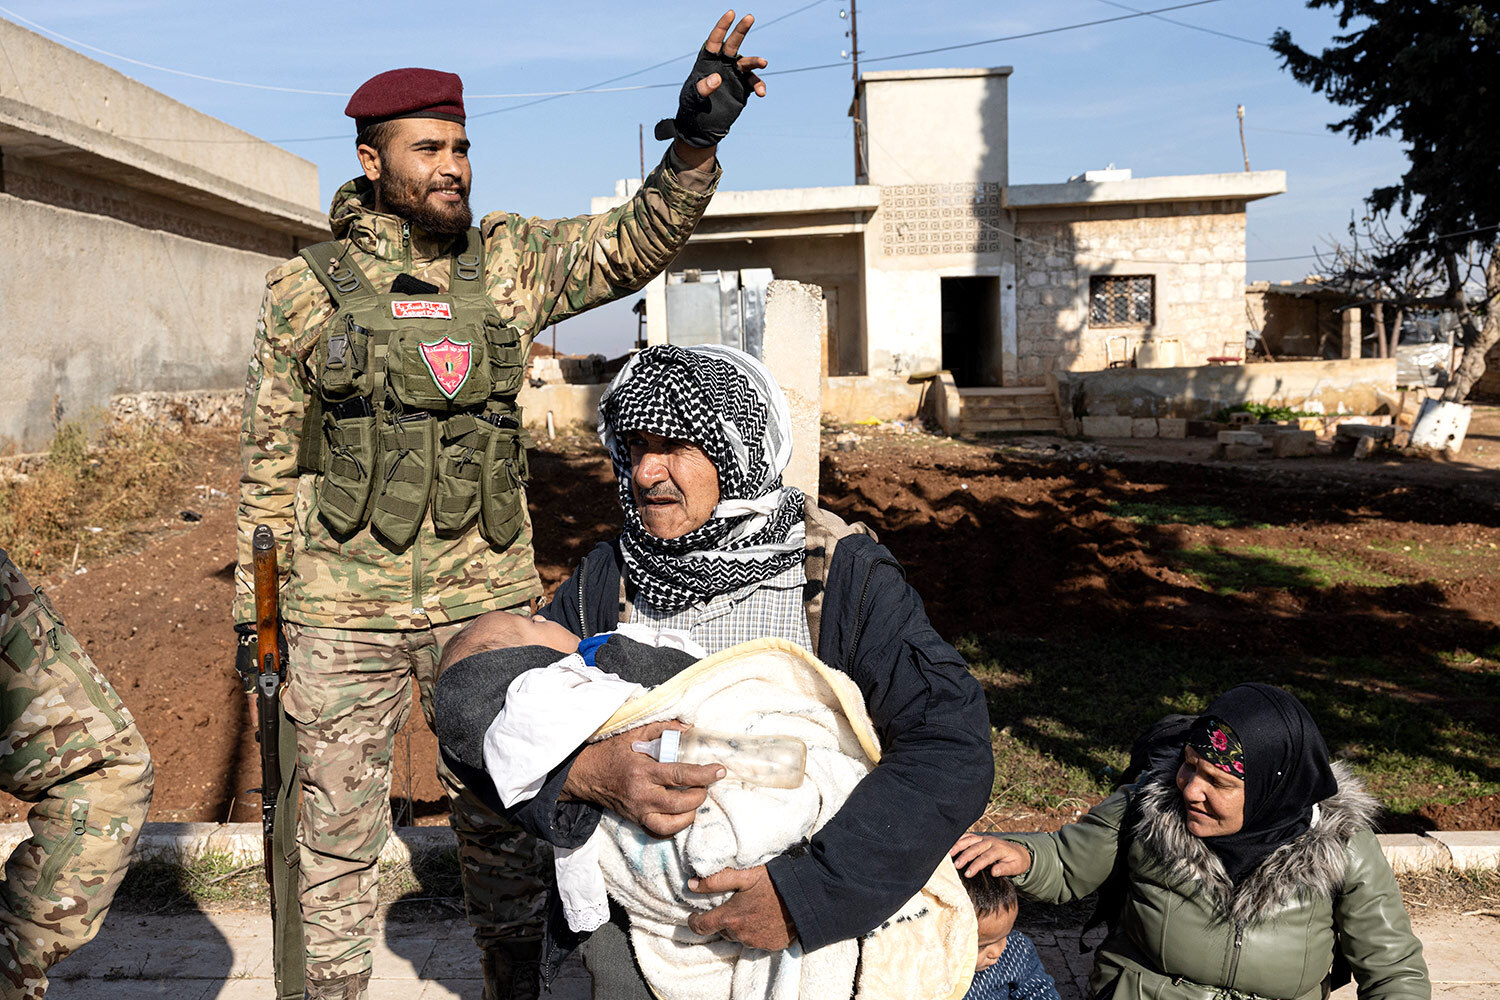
point(406, 196)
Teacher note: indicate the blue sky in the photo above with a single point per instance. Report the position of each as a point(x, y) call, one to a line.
point(1153, 96)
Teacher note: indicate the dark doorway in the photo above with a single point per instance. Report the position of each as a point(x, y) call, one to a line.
point(971, 330)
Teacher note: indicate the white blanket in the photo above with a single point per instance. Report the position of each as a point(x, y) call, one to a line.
point(770, 687)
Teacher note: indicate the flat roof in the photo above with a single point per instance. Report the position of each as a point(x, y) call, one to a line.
point(1243, 186)
point(884, 75)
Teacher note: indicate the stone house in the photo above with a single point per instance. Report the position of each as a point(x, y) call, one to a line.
point(137, 234)
point(934, 260)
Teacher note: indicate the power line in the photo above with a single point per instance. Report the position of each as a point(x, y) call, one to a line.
point(1003, 38)
point(1194, 27)
point(540, 97)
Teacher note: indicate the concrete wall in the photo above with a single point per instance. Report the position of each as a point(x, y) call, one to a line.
point(57, 102)
point(136, 233)
point(934, 125)
point(852, 397)
point(1195, 251)
point(794, 330)
point(1350, 386)
point(92, 308)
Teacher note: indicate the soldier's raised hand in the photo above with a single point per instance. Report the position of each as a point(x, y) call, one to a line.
point(717, 89)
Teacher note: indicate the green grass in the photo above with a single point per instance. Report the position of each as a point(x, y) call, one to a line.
point(1233, 570)
point(427, 888)
point(1452, 559)
point(1066, 711)
point(1155, 514)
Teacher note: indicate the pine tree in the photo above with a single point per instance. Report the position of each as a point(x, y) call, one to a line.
point(1428, 73)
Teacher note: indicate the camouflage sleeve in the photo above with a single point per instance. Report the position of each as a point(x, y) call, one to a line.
point(75, 752)
point(576, 264)
point(270, 427)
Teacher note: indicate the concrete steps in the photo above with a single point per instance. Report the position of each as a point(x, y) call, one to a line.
point(1023, 409)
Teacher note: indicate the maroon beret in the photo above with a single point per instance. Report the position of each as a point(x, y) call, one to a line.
point(407, 93)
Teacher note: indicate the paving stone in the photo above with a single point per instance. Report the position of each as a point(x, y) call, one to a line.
point(1412, 852)
point(1379, 433)
point(1107, 427)
point(1171, 427)
point(147, 989)
point(1294, 444)
point(1471, 849)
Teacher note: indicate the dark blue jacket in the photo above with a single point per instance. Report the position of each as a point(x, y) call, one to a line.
point(936, 767)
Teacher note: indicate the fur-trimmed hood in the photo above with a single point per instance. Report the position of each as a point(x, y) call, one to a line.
point(1313, 864)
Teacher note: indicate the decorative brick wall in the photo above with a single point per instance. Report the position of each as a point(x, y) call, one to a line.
point(1194, 251)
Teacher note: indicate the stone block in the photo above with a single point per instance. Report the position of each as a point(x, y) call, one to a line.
point(1253, 439)
point(1294, 444)
point(1376, 431)
point(1471, 849)
point(1237, 452)
point(1365, 447)
point(1171, 427)
point(1241, 417)
point(1143, 427)
point(1107, 427)
point(1412, 852)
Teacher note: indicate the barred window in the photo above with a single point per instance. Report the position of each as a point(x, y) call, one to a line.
point(1119, 301)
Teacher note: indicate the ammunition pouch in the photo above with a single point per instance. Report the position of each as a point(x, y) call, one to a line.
point(415, 407)
point(405, 476)
point(502, 501)
point(351, 449)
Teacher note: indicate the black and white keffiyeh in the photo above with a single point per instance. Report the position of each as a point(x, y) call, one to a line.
point(725, 402)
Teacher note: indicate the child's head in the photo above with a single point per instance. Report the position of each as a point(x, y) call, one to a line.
point(995, 904)
point(503, 630)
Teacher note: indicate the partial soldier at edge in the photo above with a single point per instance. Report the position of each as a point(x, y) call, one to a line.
point(72, 749)
point(381, 443)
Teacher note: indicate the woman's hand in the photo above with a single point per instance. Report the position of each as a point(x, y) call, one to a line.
point(975, 851)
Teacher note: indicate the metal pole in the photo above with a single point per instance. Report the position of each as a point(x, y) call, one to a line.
point(1239, 111)
point(854, 107)
point(641, 132)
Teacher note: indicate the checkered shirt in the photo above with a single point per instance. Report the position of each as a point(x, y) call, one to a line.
point(771, 607)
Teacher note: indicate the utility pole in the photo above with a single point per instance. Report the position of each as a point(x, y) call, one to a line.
point(1239, 111)
point(853, 35)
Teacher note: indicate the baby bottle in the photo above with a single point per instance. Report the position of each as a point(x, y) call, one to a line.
point(770, 761)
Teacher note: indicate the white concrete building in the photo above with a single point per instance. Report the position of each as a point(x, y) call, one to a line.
point(136, 232)
point(935, 260)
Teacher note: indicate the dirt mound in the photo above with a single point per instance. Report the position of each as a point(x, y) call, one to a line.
point(1191, 560)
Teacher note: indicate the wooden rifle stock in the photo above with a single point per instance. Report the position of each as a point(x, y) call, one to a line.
point(268, 681)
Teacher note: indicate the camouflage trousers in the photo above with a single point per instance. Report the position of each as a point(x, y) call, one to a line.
point(349, 693)
point(73, 749)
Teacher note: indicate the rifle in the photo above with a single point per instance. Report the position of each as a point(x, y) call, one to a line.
point(268, 681)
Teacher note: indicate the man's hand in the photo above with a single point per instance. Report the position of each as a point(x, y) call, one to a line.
point(660, 798)
point(754, 916)
point(714, 94)
point(976, 850)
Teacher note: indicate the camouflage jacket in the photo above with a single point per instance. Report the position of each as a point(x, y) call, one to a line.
point(537, 272)
point(73, 749)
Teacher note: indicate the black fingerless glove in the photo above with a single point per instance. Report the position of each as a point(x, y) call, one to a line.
point(704, 121)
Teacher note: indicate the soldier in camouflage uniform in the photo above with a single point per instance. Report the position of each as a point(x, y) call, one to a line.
point(70, 747)
point(368, 603)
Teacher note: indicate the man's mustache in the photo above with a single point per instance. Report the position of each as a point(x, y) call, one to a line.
point(662, 491)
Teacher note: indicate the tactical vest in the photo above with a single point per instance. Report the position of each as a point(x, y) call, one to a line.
point(415, 406)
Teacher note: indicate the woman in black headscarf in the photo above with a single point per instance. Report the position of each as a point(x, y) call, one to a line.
point(1244, 865)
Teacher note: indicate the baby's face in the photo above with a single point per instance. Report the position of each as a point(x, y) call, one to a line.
point(994, 928)
point(539, 631)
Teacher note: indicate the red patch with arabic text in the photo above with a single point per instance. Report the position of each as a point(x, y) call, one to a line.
point(421, 309)
point(449, 364)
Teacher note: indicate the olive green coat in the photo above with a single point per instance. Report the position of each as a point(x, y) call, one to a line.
point(1187, 933)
